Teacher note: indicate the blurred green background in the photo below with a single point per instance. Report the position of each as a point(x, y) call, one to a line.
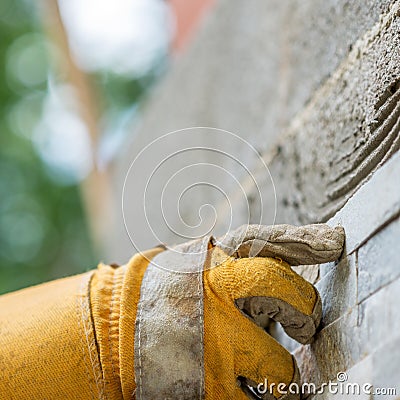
point(68, 100)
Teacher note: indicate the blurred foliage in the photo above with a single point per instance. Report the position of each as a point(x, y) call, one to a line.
point(43, 229)
point(43, 233)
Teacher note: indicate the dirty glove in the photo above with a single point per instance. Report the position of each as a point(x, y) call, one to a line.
point(182, 323)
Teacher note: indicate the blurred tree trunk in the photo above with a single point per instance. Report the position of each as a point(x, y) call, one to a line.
point(95, 188)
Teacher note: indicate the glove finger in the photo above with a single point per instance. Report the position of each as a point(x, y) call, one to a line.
point(297, 245)
point(265, 390)
point(261, 364)
point(266, 288)
point(238, 355)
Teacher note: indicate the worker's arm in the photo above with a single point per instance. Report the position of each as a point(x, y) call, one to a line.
point(182, 323)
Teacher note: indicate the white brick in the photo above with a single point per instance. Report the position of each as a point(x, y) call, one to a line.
point(375, 203)
point(338, 289)
point(379, 318)
point(378, 261)
point(336, 348)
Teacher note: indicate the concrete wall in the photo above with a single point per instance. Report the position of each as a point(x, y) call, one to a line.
point(314, 86)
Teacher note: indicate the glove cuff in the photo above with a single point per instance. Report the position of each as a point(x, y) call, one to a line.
point(114, 296)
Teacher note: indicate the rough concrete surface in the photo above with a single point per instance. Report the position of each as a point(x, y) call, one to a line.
point(350, 127)
point(251, 68)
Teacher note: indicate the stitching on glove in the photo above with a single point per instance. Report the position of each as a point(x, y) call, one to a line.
point(201, 316)
point(140, 385)
point(110, 323)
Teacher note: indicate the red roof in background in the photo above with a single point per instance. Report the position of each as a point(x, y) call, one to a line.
point(188, 14)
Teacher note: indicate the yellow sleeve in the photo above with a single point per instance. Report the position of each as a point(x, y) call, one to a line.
point(72, 338)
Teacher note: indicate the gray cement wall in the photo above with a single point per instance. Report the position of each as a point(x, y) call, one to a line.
point(314, 86)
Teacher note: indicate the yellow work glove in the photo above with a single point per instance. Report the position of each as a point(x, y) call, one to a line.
point(182, 323)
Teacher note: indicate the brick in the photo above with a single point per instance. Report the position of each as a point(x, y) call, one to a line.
point(338, 289)
point(378, 370)
point(378, 261)
point(378, 318)
point(335, 348)
point(375, 203)
point(370, 208)
point(386, 371)
point(353, 336)
point(360, 373)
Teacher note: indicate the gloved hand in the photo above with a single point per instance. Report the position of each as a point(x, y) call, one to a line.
point(183, 323)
